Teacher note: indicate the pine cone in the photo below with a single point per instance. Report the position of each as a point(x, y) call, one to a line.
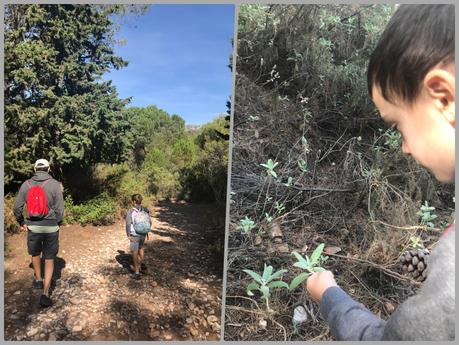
point(415, 263)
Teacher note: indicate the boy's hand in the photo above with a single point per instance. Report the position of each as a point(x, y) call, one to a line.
point(318, 282)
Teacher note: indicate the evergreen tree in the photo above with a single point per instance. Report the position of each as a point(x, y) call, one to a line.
point(56, 105)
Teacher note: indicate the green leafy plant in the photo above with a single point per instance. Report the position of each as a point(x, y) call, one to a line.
point(310, 264)
point(282, 98)
point(263, 283)
point(246, 225)
point(270, 165)
point(268, 218)
point(289, 182)
point(427, 215)
point(307, 115)
point(305, 144)
point(392, 139)
point(303, 165)
point(231, 197)
point(101, 210)
point(279, 207)
point(416, 242)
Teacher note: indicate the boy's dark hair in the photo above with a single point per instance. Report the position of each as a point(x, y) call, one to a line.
point(137, 198)
point(45, 169)
point(417, 38)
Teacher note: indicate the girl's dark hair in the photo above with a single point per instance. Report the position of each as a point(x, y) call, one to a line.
point(45, 169)
point(417, 38)
point(137, 198)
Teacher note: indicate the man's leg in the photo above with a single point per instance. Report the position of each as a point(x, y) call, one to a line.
point(36, 264)
point(49, 269)
point(50, 250)
point(34, 247)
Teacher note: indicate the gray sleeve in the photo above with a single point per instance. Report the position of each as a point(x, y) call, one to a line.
point(128, 223)
point(348, 319)
point(58, 203)
point(19, 204)
point(429, 315)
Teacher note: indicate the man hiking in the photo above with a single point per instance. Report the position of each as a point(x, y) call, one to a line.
point(138, 224)
point(45, 211)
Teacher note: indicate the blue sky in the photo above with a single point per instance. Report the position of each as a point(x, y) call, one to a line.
point(178, 57)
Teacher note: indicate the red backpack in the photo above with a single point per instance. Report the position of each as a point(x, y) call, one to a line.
point(37, 204)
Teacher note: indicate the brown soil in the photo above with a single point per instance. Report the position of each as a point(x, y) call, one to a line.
point(179, 297)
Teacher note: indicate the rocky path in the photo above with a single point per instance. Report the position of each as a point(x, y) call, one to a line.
point(95, 299)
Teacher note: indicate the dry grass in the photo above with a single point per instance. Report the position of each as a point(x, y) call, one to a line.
point(352, 197)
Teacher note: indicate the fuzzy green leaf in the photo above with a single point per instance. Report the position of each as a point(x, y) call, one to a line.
point(298, 280)
point(278, 283)
point(277, 275)
point(267, 272)
point(318, 269)
point(252, 286)
point(265, 291)
point(254, 275)
point(316, 253)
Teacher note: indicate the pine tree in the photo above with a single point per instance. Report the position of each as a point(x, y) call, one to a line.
point(56, 105)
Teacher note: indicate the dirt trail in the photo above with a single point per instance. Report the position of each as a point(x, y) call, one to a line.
point(95, 299)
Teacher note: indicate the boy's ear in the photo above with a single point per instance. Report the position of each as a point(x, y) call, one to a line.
point(440, 85)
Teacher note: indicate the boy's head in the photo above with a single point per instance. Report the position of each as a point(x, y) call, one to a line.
point(411, 78)
point(136, 199)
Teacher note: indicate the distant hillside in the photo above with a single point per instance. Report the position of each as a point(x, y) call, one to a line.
point(192, 128)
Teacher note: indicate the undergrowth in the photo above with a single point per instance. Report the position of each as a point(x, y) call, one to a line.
point(312, 163)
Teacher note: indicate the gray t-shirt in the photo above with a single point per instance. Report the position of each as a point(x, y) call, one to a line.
point(43, 228)
point(429, 315)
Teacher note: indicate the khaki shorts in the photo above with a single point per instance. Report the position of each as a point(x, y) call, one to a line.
point(137, 242)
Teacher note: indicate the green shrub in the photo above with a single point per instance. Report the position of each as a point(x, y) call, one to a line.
point(131, 183)
point(69, 217)
point(101, 210)
point(110, 176)
point(9, 222)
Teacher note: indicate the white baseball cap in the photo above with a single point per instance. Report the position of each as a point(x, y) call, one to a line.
point(41, 163)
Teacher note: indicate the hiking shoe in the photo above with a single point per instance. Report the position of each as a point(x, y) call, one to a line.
point(37, 284)
point(45, 301)
point(135, 276)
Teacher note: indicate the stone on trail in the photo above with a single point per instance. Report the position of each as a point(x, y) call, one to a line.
point(215, 327)
point(212, 318)
point(32, 332)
